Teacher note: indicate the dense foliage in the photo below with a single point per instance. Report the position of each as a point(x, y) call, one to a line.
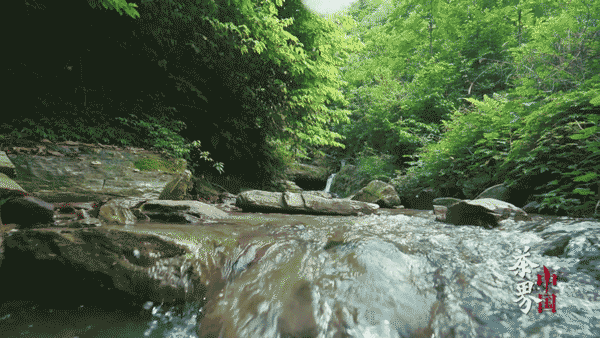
point(252, 83)
point(487, 92)
point(451, 95)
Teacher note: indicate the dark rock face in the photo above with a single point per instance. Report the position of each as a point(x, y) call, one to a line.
point(28, 212)
point(463, 213)
point(485, 212)
point(77, 262)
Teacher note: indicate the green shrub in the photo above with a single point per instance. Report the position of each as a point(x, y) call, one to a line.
point(374, 166)
point(556, 153)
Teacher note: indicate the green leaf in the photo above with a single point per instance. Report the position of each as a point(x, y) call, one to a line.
point(581, 191)
point(585, 178)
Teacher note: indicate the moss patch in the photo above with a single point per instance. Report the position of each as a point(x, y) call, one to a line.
point(153, 164)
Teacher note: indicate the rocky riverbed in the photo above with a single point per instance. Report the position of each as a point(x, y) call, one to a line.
point(103, 267)
point(397, 273)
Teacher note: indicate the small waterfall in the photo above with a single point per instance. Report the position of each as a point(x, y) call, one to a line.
point(329, 181)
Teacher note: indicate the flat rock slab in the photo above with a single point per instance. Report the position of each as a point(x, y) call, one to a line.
point(307, 203)
point(84, 173)
point(195, 208)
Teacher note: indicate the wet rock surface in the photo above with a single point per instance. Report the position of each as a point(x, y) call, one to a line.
point(79, 172)
point(75, 262)
point(397, 273)
point(393, 273)
point(317, 203)
point(401, 276)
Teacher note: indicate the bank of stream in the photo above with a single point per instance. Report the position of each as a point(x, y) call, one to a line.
point(397, 273)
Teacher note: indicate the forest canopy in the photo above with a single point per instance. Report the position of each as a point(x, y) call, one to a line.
point(453, 95)
point(462, 95)
point(252, 83)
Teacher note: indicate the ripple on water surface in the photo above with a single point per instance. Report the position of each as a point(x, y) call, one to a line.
point(28, 319)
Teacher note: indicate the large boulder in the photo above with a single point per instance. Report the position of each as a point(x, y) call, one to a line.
point(504, 210)
point(463, 213)
point(380, 193)
point(252, 200)
point(10, 188)
point(293, 201)
point(179, 188)
point(483, 212)
point(317, 193)
point(85, 263)
point(498, 191)
point(6, 166)
point(18, 207)
point(307, 203)
point(181, 211)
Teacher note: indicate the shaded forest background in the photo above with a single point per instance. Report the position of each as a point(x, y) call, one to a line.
point(451, 95)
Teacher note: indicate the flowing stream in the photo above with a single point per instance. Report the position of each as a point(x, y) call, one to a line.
point(275, 275)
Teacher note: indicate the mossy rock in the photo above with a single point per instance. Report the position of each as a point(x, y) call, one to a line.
point(155, 164)
point(179, 188)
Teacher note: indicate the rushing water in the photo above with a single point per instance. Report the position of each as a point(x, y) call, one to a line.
point(312, 276)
